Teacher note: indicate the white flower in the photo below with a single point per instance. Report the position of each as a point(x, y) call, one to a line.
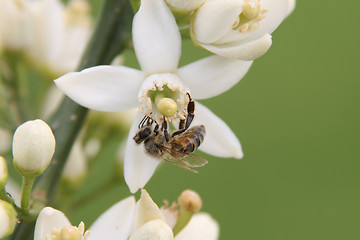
point(238, 29)
point(157, 45)
point(15, 31)
point(60, 33)
point(128, 220)
point(33, 147)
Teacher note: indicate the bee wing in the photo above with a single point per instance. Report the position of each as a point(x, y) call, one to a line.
point(179, 165)
point(193, 160)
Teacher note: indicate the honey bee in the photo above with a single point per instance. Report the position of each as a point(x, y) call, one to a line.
point(175, 148)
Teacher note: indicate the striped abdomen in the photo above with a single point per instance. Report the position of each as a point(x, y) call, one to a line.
point(188, 141)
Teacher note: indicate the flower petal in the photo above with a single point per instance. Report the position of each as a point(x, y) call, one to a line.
point(215, 19)
point(116, 222)
point(219, 139)
point(103, 88)
point(138, 166)
point(245, 51)
point(213, 75)
point(47, 220)
point(146, 210)
point(201, 227)
point(291, 7)
point(156, 37)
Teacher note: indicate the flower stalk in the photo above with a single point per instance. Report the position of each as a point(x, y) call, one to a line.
point(27, 184)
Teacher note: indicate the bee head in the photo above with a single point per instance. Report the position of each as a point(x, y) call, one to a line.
point(142, 134)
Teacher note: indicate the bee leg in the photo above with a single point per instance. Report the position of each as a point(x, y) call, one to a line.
point(141, 124)
point(156, 129)
point(189, 118)
point(166, 133)
point(182, 124)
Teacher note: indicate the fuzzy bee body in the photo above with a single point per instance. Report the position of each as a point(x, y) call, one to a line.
point(188, 142)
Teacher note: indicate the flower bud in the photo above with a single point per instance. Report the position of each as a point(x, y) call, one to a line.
point(190, 200)
point(184, 5)
point(7, 218)
point(76, 166)
point(153, 230)
point(3, 173)
point(33, 147)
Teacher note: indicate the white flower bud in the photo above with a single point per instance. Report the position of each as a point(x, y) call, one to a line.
point(153, 230)
point(190, 200)
point(7, 218)
point(184, 5)
point(76, 166)
point(33, 147)
point(3, 172)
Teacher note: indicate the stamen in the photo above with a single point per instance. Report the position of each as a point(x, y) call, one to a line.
point(250, 16)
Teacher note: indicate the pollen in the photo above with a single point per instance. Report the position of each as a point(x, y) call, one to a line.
point(167, 107)
point(69, 233)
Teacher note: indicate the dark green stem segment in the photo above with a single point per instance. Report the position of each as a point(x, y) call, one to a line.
point(111, 36)
point(27, 184)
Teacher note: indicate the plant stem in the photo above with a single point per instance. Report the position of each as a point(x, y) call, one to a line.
point(27, 184)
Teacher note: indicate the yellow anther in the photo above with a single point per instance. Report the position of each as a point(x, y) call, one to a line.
point(167, 107)
point(70, 233)
point(251, 9)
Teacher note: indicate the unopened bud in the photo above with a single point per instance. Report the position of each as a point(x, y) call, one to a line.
point(184, 5)
point(33, 147)
point(76, 166)
point(153, 230)
point(7, 218)
point(190, 200)
point(3, 173)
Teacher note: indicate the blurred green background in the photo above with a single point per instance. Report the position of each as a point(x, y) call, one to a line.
point(297, 116)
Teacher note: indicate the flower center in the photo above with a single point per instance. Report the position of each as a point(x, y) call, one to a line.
point(69, 233)
point(164, 95)
point(250, 16)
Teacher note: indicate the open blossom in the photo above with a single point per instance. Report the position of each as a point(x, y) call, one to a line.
point(127, 219)
point(157, 44)
point(238, 29)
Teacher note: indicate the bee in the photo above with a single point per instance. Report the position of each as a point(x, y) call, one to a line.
point(175, 148)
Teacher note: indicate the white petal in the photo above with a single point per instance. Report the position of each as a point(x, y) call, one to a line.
point(103, 88)
point(153, 230)
point(201, 227)
point(47, 220)
point(138, 166)
point(156, 37)
point(291, 7)
point(213, 75)
point(245, 51)
point(115, 223)
point(146, 210)
point(219, 139)
point(215, 19)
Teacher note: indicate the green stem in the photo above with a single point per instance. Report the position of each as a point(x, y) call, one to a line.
point(27, 184)
point(183, 219)
point(4, 196)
